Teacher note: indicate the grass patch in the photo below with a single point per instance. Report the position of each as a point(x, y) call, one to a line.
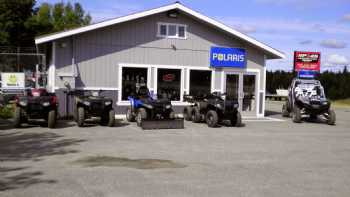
point(341, 103)
point(6, 111)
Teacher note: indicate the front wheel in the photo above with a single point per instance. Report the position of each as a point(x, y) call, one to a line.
point(285, 112)
point(237, 120)
point(129, 115)
point(17, 119)
point(196, 115)
point(111, 118)
point(141, 115)
point(212, 118)
point(187, 113)
point(81, 116)
point(51, 119)
point(331, 117)
point(296, 114)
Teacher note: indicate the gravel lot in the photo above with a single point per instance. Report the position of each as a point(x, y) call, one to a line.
point(264, 158)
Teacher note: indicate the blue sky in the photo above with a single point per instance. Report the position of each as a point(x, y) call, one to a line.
point(286, 25)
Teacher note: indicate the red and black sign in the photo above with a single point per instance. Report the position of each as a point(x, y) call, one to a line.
point(168, 77)
point(309, 61)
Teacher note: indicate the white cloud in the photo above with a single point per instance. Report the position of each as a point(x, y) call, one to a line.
point(336, 60)
point(305, 42)
point(346, 17)
point(113, 11)
point(247, 29)
point(333, 43)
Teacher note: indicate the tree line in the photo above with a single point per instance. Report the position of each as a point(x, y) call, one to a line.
point(22, 20)
point(336, 84)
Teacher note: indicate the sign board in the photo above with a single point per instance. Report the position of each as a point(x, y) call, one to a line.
point(227, 57)
point(307, 74)
point(310, 61)
point(12, 81)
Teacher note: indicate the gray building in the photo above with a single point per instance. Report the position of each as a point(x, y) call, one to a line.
point(169, 49)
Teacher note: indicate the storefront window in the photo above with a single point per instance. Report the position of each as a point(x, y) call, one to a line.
point(133, 78)
point(200, 82)
point(169, 84)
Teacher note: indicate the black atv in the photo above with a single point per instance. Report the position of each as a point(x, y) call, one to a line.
point(213, 109)
point(306, 97)
point(36, 104)
point(152, 113)
point(94, 105)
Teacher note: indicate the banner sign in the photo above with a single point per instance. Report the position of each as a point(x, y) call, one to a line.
point(12, 80)
point(227, 57)
point(307, 74)
point(307, 61)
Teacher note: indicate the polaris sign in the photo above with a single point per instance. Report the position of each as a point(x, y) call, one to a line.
point(227, 57)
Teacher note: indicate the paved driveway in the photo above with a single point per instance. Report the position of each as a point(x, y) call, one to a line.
point(261, 159)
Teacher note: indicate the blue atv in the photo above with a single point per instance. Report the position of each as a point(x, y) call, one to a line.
point(152, 113)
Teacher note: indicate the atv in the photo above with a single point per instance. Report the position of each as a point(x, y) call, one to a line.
point(306, 97)
point(213, 109)
point(36, 104)
point(152, 113)
point(94, 105)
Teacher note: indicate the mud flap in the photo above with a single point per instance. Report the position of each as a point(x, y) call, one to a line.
point(177, 123)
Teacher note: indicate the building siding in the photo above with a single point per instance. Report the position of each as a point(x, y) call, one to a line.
point(98, 53)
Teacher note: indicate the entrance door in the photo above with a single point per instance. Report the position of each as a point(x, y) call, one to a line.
point(249, 94)
point(242, 87)
point(233, 88)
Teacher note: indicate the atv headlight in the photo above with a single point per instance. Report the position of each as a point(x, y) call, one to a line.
point(219, 106)
point(148, 106)
point(108, 103)
point(167, 106)
point(45, 104)
point(235, 105)
point(23, 103)
point(86, 103)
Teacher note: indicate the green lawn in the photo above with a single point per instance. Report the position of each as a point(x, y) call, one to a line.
point(342, 103)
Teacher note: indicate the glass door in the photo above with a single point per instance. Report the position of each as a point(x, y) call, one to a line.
point(233, 88)
point(249, 94)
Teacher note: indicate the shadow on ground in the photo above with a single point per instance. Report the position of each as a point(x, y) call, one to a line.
point(21, 179)
point(96, 161)
point(20, 146)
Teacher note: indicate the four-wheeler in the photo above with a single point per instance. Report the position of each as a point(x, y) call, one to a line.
point(152, 113)
point(94, 105)
point(306, 97)
point(36, 104)
point(213, 109)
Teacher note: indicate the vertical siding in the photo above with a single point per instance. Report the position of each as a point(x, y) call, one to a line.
point(98, 53)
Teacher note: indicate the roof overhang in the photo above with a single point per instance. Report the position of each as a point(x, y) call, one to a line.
point(273, 53)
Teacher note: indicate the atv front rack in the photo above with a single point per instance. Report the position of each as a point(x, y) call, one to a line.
point(177, 123)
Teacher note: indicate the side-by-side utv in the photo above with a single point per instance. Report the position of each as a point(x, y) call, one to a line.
point(36, 104)
point(213, 109)
point(94, 105)
point(306, 97)
point(152, 113)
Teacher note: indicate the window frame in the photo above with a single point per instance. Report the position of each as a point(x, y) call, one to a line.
point(159, 24)
point(181, 82)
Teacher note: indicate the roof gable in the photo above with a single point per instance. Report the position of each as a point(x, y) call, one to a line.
point(273, 52)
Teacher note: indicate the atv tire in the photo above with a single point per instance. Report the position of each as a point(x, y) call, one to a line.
point(196, 115)
point(141, 115)
point(18, 118)
point(172, 115)
point(51, 119)
point(81, 116)
point(129, 116)
point(187, 113)
point(111, 118)
point(212, 118)
point(331, 117)
point(285, 112)
point(236, 121)
point(296, 114)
